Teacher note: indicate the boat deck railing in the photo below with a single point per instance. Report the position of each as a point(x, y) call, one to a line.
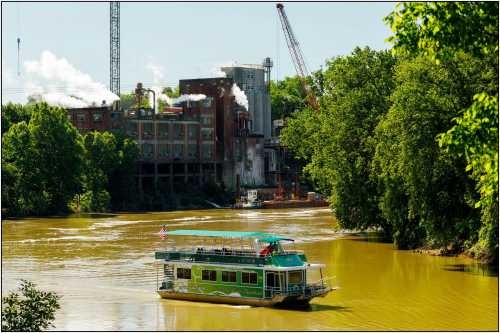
point(308, 291)
point(220, 255)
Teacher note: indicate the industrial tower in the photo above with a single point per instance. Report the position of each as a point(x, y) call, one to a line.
point(114, 47)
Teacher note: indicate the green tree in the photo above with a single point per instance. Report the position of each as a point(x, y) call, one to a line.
point(338, 141)
point(13, 114)
point(423, 189)
point(101, 160)
point(128, 101)
point(440, 30)
point(29, 310)
point(475, 135)
point(122, 181)
point(44, 160)
point(172, 93)
point(287, 97)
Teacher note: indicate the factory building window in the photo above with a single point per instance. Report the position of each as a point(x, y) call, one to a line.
point(132, 129)
point(147, 130)
point(97, 117)
point(237, 151)
point(116, 116)
point(80, 117)
point(147, 150)
point(163, 130)
point(163, 151)
point(179, 131)
point(207, 151)
point(207, 133)
point(193, 151)
point(206, 120)
point(207, 103)
point(70, 117)
point(178, 151)
point(192, 132)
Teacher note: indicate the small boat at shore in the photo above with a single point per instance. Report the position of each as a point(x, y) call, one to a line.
point(257, 271)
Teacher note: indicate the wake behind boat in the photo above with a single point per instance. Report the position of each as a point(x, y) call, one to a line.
point(246, 268)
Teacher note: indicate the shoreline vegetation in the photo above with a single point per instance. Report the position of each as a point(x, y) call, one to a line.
point(405, 140)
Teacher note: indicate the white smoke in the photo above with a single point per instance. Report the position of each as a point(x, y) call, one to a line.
point(160, 96)
point(158, 72)
point(58, 83)
point(62, 100)
point(190, 97)
point(172, 101)
point(239, 96)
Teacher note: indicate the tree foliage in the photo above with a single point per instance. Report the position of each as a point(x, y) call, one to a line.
point(122, 184)
point(42, 162)
point(441, 30)
point(13, 114)
point(109, 171)
point(338, 141)
point(29, 309)
point(287, 96)
point(423, 190)
point(46, 164)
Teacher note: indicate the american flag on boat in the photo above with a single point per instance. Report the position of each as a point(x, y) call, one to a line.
point(163, 232)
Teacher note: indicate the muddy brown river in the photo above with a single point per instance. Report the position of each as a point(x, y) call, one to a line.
point(103, 267)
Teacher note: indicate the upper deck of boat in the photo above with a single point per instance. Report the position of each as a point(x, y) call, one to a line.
point(228, 256)
point(274, 255)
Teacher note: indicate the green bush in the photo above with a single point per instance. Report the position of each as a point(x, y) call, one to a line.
point(29, 309)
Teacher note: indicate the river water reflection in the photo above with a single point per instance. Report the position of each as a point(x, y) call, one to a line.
point(104, 269)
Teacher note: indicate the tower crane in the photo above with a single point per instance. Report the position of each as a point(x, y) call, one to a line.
point(297, 56)
point(114, 47)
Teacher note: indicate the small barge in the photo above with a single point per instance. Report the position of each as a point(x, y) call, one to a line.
point(258, 273)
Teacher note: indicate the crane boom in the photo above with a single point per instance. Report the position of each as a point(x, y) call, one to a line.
point(297, 56)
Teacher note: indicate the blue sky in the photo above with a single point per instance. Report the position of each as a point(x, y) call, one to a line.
point(182, 40)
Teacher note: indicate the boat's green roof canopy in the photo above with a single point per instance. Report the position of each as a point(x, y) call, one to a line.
point(261, 236)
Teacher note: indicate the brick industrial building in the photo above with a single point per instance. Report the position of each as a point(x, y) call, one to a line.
point(213, 139)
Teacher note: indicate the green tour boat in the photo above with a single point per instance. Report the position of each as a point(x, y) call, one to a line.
point(244, 268)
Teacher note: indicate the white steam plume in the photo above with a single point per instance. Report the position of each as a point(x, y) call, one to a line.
point(58, 83)
point(239, 96)
point(158, 72)
point(190, 97)
point(172, 101)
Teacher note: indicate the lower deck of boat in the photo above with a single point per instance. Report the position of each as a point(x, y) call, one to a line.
point(266, 302)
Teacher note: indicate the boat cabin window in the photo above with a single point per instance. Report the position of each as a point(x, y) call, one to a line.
point(184, 273)
point(209, 275)
point(228, 276)
point(248, 277)
point(295, 277)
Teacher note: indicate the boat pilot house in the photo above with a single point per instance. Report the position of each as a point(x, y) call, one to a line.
point(250, 268)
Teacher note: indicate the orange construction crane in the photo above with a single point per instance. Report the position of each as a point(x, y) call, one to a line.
point(297, 57)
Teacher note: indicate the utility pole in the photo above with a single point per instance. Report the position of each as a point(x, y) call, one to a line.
point(114, 47)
